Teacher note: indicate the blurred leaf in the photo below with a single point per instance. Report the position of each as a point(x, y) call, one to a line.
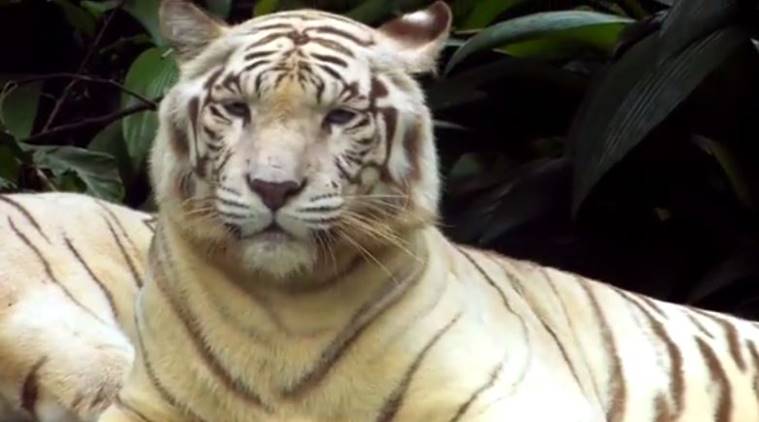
point(690, 20)
point(264, 7)
point(146, 12)
point(77, 17)
point(442, 124)
point(371, 11)
point(220, 8)
point(10, 162)
point(635, 96)
point(486, 12)
point(732, 167)
point(741, 265)
point(538, 25)
point(97, 8)
point(18, 108)
point(522, 194)
point(151, 75)
point(97, 170)
point(111, 141)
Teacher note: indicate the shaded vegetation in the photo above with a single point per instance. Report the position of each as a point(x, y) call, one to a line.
point(617, 139)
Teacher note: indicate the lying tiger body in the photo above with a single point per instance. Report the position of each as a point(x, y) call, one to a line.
point(297, 274)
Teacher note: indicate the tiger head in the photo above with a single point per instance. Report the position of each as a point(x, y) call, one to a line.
point(296, 135)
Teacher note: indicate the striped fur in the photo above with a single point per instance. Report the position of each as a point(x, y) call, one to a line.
point(353, 306)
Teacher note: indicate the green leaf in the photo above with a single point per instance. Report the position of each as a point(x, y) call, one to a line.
point(264, 7)
point(146, 12)
point(77, 17)
point(531, 27)
point(151, 75)
point(635, 96)
point(97, 170)
point(10, 162)
point(220, 8)
point(569, 43)
point(486, 12)
point(111, 141)
point(18, 107)
point(98, 8)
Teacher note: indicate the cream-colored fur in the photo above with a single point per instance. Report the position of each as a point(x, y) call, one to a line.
point(353, 306)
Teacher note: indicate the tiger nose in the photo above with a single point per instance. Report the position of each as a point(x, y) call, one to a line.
point(273, 194)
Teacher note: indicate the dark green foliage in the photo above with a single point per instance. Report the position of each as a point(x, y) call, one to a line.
point(618, 139)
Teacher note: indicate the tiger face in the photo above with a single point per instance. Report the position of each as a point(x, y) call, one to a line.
point(291, 136)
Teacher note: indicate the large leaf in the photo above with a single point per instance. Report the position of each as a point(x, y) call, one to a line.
point(97, 170)
point(485, 12)
point(635, 96)
point(570, 43)
point(531, 27)
point(690, 20)
point(220, 8)
point(151, 74)
point(146, 12)
point(18, 107)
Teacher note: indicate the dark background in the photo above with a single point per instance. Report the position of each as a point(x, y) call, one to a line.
point(617, 139)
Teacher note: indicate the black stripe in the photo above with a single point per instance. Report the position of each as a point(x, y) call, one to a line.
point(390, 294)
point(258, 54)
point(195, 332)
point(26, 215)
point(165, 394)
point(488, 384)
point(489, 279)
point(127, 257)
point(107, 293)
point(30, 387)
point(342, 34)
point(131, 409)
point(393, 402)
point(330, 59)
point(49, 270)
point(617, 384)
point(256, 64)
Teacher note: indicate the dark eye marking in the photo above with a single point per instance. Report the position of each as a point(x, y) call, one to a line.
point(236, 108)
point(340, 116)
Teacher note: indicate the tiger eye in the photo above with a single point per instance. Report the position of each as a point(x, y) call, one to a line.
point(339, 116)
point(237, 108)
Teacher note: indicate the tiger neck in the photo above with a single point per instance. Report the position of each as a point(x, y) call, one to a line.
point(308, 307)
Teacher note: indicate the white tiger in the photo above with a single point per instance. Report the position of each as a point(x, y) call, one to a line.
point(297, 273)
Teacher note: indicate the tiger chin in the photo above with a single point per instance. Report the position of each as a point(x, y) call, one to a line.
point(295, 271)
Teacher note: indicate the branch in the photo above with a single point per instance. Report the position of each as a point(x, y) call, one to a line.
point(95, 121)
point(87, 79)
point(90, 52)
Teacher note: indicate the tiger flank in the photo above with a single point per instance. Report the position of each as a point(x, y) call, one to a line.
point(297, 272)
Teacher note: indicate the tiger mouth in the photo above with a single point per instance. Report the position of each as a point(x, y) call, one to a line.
point(273, 233)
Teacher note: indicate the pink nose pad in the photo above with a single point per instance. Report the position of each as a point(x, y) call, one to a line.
point(274, 194)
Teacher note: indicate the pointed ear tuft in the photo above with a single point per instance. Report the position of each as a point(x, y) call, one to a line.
point(419, 37)
point(187, 29)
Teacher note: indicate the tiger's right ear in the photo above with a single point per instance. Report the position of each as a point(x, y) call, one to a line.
point(187, 29)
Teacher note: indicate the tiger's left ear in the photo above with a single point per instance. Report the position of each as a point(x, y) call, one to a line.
point(187, 29)
point(417, 38)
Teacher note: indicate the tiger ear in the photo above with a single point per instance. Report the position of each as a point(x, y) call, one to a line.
point(187, 29)
point(417, 38)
